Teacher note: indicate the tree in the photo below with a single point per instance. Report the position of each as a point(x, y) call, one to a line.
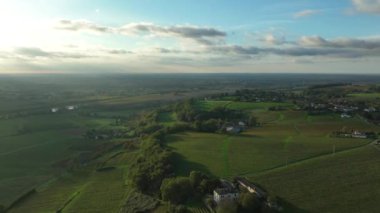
point(176, 190)
point(249, 202)
point(252, 121)
point(195, 178)
point(208, 186)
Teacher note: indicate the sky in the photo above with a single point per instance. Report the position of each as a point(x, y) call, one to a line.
point(200, 36)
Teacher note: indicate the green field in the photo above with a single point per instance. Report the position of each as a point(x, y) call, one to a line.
point(84, 191)
point(251, 106)
point(346, 182)
point(292, 137)
point(364, 96)
point(30, 146)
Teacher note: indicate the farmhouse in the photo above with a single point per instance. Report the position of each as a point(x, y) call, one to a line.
point(242, 124)
point(357, 134)
point(233, 129)
point(370, 109)
point(54, 110)
point(70, 107)
point(227, 192)
point(252, 188)
point(345, 115)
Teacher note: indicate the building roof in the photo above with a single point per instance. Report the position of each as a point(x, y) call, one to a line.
point(246, 183)
point(224, 191)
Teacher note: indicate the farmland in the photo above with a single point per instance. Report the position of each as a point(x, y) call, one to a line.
point(346, 182)
point(365, 96)
point(292, 137)
point(34, 140)
point(113, 151)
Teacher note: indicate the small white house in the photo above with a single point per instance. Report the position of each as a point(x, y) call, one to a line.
point(54, 110)
point(233, 129)
point(345, 115)
point(370, 109)
point(357, 134)
point(70, 107)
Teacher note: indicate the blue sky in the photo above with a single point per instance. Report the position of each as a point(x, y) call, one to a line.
point(341, 36)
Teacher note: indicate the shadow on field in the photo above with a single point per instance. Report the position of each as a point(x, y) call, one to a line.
point(172, 139)
point(289, 207)
point(183, 166)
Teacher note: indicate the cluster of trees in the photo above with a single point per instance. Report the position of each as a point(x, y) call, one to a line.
point(247, 95)
point(188, 112)
point(372, 116)
point(211, 120)
point(178, 190)
point(152, 166)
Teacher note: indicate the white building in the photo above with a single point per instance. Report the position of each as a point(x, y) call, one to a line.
point(225, 194)
point(252, 188)
point(357, 134)
point(70, 107)
point(54, 110)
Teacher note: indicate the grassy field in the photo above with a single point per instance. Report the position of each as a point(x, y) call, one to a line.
point(287, 137)
point(31, 145)
point(364, 96)
point(250, 106)
point(86, 190)
point(346, 182)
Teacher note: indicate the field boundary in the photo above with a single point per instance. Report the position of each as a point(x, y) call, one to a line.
point(316, 157)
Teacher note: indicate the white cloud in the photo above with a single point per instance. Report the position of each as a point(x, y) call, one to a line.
point(274, 40)
point(367, 6)
point(306, 13)
point(202, 35)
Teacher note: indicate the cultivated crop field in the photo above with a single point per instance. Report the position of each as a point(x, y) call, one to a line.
point(86, 190)
point(285, 137)
point(345, 182)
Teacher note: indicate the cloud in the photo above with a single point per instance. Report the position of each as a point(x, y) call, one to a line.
point(318, 41)
point(310, 46)
point(306, 13)
point(202, 35)
point(274, 40)
point(32, 52)
point(367, 6)
point(37, 53)
point(82, 25)
point(119, 52)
